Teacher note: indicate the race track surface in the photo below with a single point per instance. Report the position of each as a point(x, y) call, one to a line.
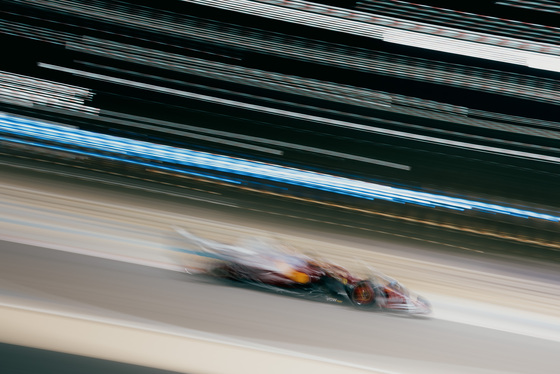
point(470, 292)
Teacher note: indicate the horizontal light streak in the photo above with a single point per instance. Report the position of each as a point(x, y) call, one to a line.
point(205, 138)
point(260, 41)
point(307, 117)
point(133, 149)
point(413, 26)
point(473, 49)
point(231, 73)
point(29, 91)
point(533, 123)
point(290, 84)
point(72, 92)
point(255, 77)
point(444, 44)
point(34, 32)
point(516, 85)
point(552, 6)
point(545, 63)
point(455, 41)
point(455, 19)
point(436, 116)
point(69, 148)
point(242, 137)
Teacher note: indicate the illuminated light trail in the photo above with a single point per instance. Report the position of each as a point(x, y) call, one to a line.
point(340, 56)
point(232, 73)
point(119, 159)
point(30, 91)
point(473, 49)
point(515, 85)
point(114, 117)
point(305, 117)
point(293, 84)
point(121, 147)
point(463, 19)
point(394, 30)
point(551, 6)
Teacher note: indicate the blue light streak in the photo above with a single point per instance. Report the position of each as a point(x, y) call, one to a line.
point(122, 147)
point(118, 159)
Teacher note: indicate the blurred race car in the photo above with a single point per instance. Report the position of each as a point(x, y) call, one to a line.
point(265, 264)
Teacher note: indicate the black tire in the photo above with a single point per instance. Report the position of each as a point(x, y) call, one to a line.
point(362, 294)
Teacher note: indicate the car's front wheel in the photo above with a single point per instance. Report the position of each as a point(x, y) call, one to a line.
point(362, 294)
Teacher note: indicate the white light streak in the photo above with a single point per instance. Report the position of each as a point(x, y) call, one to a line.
point(307, 117)
point(510, 50)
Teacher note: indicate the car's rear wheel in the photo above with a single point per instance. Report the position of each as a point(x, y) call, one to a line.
point(226, 271)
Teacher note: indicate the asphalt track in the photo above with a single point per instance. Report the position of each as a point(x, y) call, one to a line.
point(491, 315)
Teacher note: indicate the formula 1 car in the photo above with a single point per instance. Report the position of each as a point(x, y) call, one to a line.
point(265, 264)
